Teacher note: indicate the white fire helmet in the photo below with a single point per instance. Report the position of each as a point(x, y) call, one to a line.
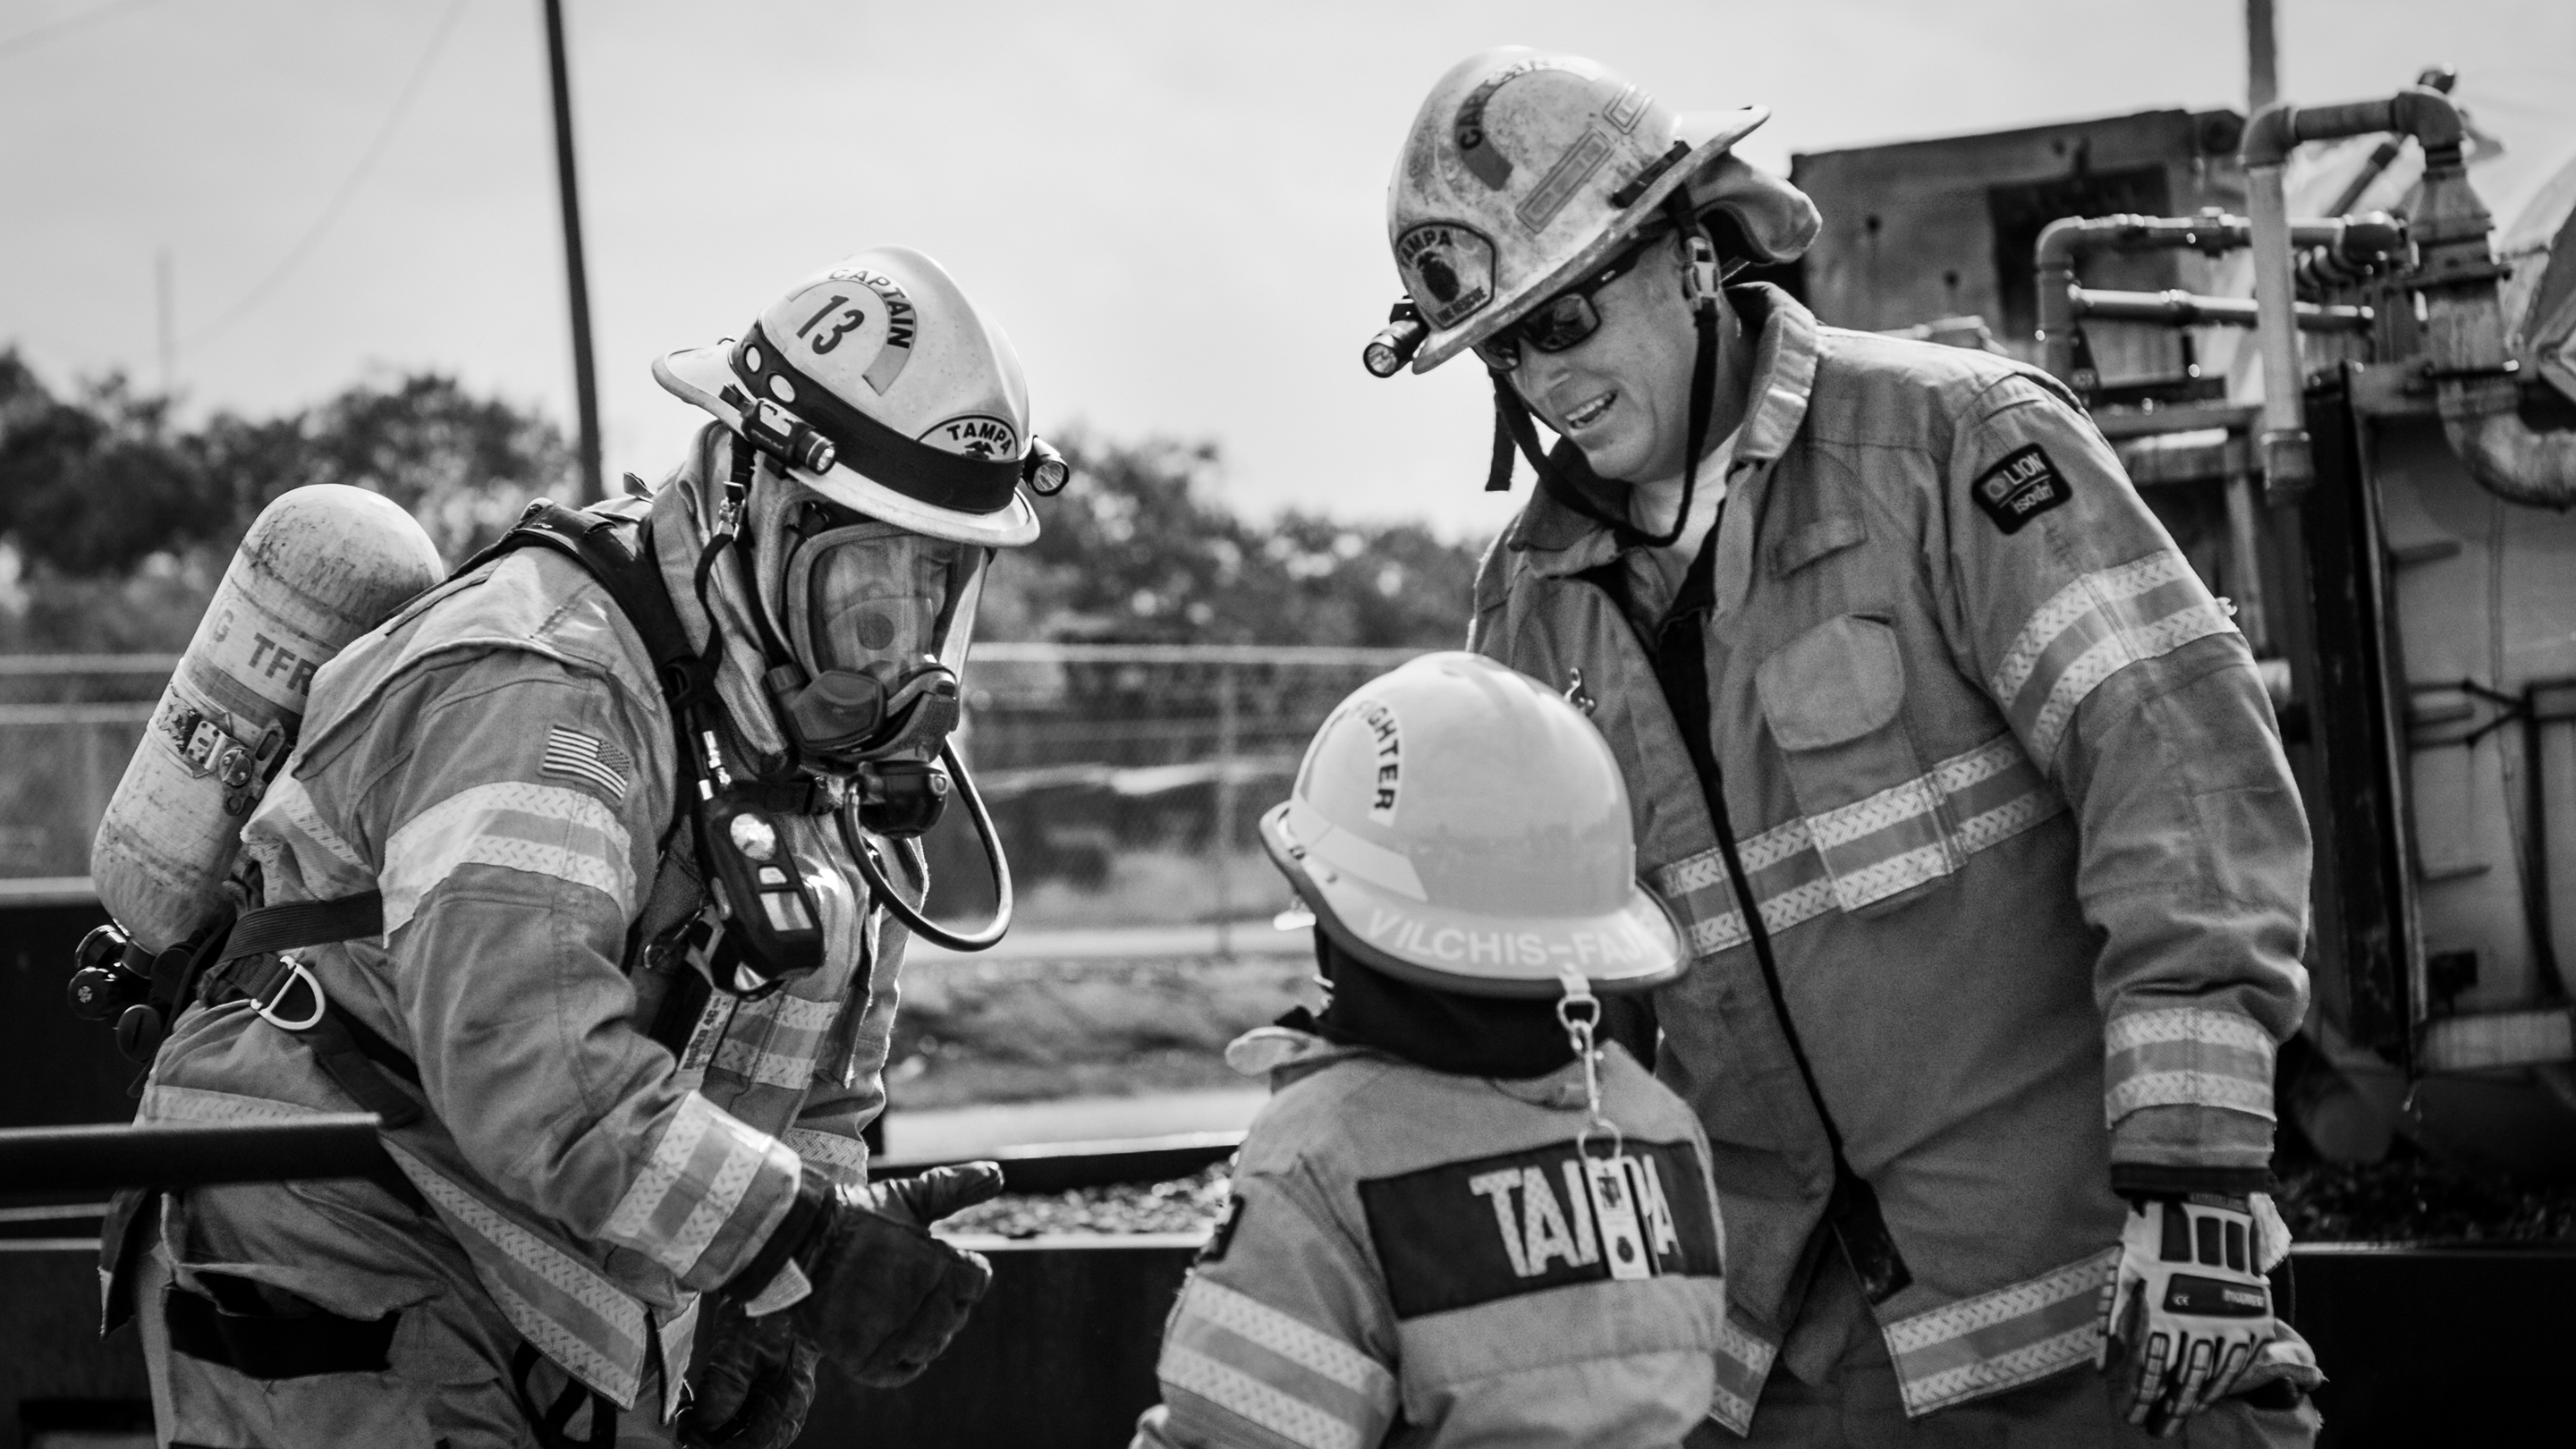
point(1457, 825)
point(919, 397)
point(1525, 172)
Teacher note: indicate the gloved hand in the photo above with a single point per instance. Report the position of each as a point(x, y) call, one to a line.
point(887, 1296)
point(2187, 1310)
point(754, 1380)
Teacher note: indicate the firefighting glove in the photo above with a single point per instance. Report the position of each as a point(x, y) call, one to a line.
point(754, 1380)
point(2186, 1311)
point(887, 1296)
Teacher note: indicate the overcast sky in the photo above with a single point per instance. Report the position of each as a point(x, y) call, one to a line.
point(1175, 209)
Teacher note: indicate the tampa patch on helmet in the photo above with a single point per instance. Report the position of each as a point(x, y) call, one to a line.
point(919, 398)
point(1448, 268)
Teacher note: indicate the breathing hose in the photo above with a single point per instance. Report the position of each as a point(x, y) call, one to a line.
point(873, 869)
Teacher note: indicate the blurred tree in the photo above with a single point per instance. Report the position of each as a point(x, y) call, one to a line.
point(119, 523)
point(1136, 551)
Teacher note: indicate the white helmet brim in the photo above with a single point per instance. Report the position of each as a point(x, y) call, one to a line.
point(703, 376)
point(1366, 898)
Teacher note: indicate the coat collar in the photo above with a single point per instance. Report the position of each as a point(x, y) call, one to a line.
point(1560, 542)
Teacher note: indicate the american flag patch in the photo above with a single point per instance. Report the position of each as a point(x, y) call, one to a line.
point(570, 752)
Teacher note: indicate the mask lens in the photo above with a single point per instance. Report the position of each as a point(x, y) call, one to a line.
point(880, 595)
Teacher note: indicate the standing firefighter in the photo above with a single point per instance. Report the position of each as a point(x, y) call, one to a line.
point(1457, 1222)
point(579, 878)
point(1889, 649)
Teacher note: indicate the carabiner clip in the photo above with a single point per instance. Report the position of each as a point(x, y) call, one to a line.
point(1579, 1012)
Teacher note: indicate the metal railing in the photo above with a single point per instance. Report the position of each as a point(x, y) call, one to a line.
point(1138, 768)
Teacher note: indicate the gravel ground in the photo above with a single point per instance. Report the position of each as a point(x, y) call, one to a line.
point(1185, 1205)
point(2409, 1200)
point(1027, 1031)
point(2413, 1199)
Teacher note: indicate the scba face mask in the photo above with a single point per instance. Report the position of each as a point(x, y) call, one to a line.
point(877, 619)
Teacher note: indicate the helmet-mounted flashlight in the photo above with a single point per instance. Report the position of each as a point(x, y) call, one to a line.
point(1044, 469)
point(1396, 342)
point(786, 437)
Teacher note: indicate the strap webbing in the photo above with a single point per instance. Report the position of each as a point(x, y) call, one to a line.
point(285, 926)
point(266, 1345)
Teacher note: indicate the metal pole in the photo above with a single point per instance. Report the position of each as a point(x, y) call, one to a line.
point(2244, 564)
point(2262, 57)
point(1228, 728)
point(98, 1159)
point(576, 277)
point(162, 314)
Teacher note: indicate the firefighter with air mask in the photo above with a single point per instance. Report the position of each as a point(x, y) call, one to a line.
point(590, 875)
point(1457, 1221)
point(1964, 788)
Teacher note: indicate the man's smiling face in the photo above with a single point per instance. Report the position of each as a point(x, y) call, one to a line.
point(1623, 394)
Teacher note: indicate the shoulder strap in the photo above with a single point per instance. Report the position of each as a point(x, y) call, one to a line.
point(616, 548)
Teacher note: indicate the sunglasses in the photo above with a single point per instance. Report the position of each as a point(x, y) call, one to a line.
point(1562, 321)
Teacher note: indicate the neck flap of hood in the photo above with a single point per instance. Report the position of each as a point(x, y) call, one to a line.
point(683, 510)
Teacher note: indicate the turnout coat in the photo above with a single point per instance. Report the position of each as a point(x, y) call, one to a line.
point(498, 761)
point(1409, 1258)
point(2013, 806)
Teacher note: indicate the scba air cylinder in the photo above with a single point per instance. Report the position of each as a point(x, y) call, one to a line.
point(319, 567)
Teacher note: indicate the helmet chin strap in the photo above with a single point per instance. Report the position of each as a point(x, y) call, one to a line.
point(1701, 279)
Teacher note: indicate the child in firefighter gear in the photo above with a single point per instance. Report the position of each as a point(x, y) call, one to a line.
point(1456, 1221)
point(1964, 788)
point(623, 1071)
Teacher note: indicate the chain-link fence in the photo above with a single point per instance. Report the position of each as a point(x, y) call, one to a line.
point(1126, 780)
point(68, 724)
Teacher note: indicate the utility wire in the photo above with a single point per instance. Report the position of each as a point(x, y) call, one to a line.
point(27, 40)
point(357, 177)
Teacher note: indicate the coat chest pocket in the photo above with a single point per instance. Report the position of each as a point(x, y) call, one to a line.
point(1834, 698)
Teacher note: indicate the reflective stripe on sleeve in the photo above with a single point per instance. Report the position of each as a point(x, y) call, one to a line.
point(539, 829)
point(1850, 856)
point(1275, 1371)
point(2093, 628)
point(2000, 1340)
point(585, 1323)
point(827, 1149)
point(705, 1176)
point(774, 1041)
point(2186, 1056)
point(1743, 1362)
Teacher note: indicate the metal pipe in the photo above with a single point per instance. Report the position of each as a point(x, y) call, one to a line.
point(2262, 52)
point(2418, 111)
point(2276, 130)
point(2188, 309)
point(2357, 240)
point(103, 1159)
point(2244, 558)
point(2288, 469)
